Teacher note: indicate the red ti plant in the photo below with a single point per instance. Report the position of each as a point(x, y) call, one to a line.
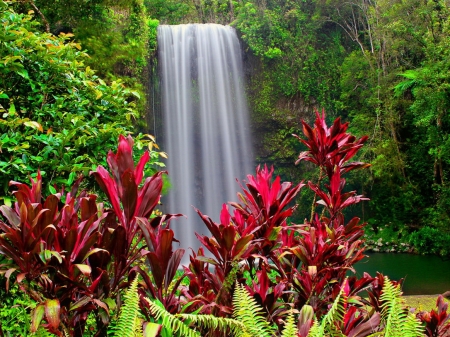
point(437, 322)
point(228, 247)
point(49, 245)
point(132, 206)
point(325, 254)
point(310, 261)
point(71, 255)
point(247, 239)
point(327, 247)
point(330, 148)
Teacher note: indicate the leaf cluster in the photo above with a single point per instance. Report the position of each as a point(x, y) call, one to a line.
point(56, 113)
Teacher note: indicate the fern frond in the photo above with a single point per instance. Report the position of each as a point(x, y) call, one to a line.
point(212, 322)
point(249, 313)
point(398, 321)
point(392, 309)
point(314, 331)
point(170, 321)
point(335, 314)
point(413, 327)
point(290, 328)
point(128, 324)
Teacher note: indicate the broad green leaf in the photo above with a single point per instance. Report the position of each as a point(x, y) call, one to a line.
point(151, 329)
point(36, 317)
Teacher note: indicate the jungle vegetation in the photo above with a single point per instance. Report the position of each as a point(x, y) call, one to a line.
point(381, 65)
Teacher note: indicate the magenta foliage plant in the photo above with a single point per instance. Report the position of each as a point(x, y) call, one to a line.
point(73, 256)
point(308, 262)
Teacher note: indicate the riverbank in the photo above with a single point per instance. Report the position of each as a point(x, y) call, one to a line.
point(422, 302)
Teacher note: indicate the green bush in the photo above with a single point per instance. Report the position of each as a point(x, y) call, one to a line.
point(428, 240)
point(56, 114)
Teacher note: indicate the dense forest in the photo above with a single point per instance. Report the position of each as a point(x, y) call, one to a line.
point(383, 66)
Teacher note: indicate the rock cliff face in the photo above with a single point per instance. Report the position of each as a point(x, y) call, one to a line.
point(274, 116)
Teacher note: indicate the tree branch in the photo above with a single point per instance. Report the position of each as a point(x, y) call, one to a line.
point(44, 20)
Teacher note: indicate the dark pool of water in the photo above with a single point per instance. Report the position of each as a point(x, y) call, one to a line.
point(424, 275)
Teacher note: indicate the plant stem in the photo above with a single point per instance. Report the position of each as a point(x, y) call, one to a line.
point(313, 206)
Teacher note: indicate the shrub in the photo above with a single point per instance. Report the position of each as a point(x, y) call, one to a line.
point(57, 115)
point(71, 255)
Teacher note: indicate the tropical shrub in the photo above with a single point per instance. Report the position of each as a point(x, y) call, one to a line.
point(71, 255)
point(309, 261)
point(437, 322)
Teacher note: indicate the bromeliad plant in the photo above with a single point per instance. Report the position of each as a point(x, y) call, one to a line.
point(72, 255)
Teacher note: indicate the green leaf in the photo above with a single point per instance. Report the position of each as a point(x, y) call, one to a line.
point(52, 189)
point(34, 125)
point(151, 329)
point(36, 317)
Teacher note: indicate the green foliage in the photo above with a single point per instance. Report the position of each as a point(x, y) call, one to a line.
point(247, 322)
point(429, 240)
point(394, 86)
point(172, 325)
point(15, 312)
point(170, 12)
point(129, 324)
point(247, 311)
point(397, 319)
point(57, 115)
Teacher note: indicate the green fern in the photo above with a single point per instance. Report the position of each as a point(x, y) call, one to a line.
point(290, 328)
point(398, 321)
point(211, 322)
point(129, 324)
point(249, 312)
point(171, 322)
point(314, 331)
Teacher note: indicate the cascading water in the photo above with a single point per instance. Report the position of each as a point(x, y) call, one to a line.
point(205, 122)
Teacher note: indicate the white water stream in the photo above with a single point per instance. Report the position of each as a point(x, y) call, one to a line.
point(205, 122)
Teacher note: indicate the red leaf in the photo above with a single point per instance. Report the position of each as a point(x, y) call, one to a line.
point(172, 266)
point(225, 215)
point(108, 185)
point(241, 246)
point(229, 233)
point(164, 249)
point(157, 271)
point(10, 215)
point(139, 170)
point(129, 195)
point(149, 195)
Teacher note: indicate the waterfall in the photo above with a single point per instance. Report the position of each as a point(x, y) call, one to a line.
point(205, 122)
